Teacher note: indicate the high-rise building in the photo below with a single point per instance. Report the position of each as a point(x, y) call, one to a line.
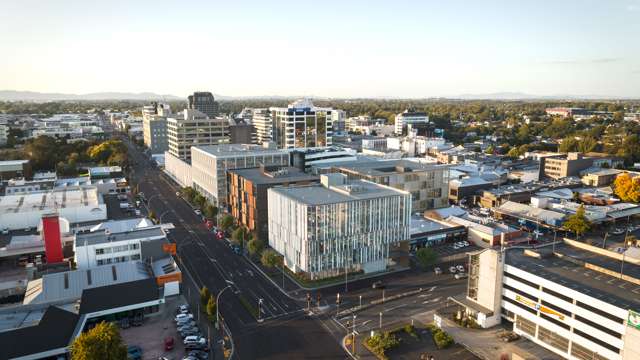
point(416, 119)
point(299, 125)
point(4, 134)
point(324, 229)
point(203, 102)
point(195, 128)
point(154, 127)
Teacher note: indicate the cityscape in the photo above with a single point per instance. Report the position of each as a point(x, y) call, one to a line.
point(167, 194)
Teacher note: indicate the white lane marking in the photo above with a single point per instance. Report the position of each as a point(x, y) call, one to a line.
point(395, 307)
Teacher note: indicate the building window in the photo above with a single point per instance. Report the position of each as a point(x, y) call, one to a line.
point(582, 353)
point(558, 295)
point(517, 278)
point(596, 340)
point(600, 312)
point(559, 342)
point(526, 326)
point(604, 329)
point(99, 251)
point(135, 257)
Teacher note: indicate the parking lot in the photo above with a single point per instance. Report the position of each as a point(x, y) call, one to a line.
point(150, 336)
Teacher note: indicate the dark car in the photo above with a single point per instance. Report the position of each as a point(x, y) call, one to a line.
point(134, 352)
point(168, 343)
point(377, 285)
point(199, 354)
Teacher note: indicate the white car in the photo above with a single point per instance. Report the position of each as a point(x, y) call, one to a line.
point(183, 317)
point(199, 340)
point(466, 243)
point(537, 233)
point(437, 270)
point(460, 268)
point(460, 275)
point(452, 269)
point(198, 212)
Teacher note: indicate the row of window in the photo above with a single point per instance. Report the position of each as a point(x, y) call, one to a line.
point(115, 249)
point(118, 259)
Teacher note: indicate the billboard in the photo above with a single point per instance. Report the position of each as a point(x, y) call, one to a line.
point(633, 319)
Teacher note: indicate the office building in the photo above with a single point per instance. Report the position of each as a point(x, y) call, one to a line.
point(324, 230)
point(573, 163)
point(573, 301)
point(242, 132)
point(247, 197)
point(10, 169)
point(154, 127)
point(305, 159)
point(299, 125)
point(416, 119)
point(194, 128)
point(203, 102)
point(209, 165)
point(338, 118)
point(427, 184)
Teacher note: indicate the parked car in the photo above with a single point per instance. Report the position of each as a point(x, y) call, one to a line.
point(437, 270)
point(177, 193)
point(460, 268)
point(5, 231)
point(187, 325)
point(194, 340)
point(182, 309)
point(377, 285)
point(466, 243)
point(452, 269)
point(198, 212)
point(124, 323)
point(460, 275)
point(617, 231)
point(168, 343)
point(190, 332)
point(134, 352)
point(199, 354)
point(183, 317)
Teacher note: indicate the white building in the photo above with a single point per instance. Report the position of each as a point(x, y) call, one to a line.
point(299, 125)
point(409, 117)
point(209, 165)
point(194, 129)
point(102, 247)
point(75, 204)
point(4, 134)
point(324, 229)
point(575, 303)
point(178, 170)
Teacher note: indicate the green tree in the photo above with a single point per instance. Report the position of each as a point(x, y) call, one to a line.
point(205, 294)
point(103, 342)
point(211, 308)
point(426, 256)
point(240, 235)
point(255, 247)
point(270, 258)
point(198, 200)
point(188, 193)
point(210, 211)
point(226, 222)
point(578, 222)
point(587, 144)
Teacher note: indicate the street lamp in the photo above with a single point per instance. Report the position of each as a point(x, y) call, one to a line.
point(353, 333)
point(360, 301)
point(259, 310)
point(381, 320)
point(230, 283)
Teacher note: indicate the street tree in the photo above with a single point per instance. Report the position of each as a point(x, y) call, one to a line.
point(426, 256)
point(578, 222)
point(270, 258)
point(227, 222)
point(211, 308)
point(205, 294)
point(103, 342)
point(210, 211)
point(255, 246)
point(240, 235)
point(627, 188)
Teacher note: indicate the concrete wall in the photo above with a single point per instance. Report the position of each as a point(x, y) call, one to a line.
point(178, 170)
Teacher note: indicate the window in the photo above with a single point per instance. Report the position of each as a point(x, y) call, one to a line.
point(558, 295)
point(520, 292)
point(135, 257)
point(583, 353)
point(596, 340)
point(554, 320)
point(517, 278)
point(526, 326)
point(559, 342)
point(600, 312)
point(99, 251)
point(598, 326)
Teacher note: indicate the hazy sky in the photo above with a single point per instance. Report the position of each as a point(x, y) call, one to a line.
point(324, 48)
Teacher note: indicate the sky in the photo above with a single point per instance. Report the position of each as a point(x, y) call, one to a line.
point(348, 48)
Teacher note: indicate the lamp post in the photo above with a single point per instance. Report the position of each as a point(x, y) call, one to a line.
point(381, 320)
point(353, 333)
point(260, 310)
point(360, 301)
point(218, 303)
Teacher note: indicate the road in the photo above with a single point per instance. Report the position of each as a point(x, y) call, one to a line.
point(287, 332)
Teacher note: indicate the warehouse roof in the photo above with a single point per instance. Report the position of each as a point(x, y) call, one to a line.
point(81, 196)
point(129, 293)
point(103, 236)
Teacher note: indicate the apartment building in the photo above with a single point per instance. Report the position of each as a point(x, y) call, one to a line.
point(247, 197)
point(4, 134)
point(427, 184)
point(339, 225)
point(209, 165)
point(416, 119)
point(573, 163)
point(194, 128)
point(299, 125)
point(572, 301)
point(154, 127)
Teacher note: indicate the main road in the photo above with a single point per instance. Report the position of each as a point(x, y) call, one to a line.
point(287, 332)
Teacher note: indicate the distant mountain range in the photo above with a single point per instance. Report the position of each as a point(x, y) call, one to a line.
point(11, 95)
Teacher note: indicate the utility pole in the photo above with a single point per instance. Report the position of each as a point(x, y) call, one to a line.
point(360, 301)
point(308, 302)
point(381, 320)
point(383, 296)
point(338, 304)
point(260, 310)
point(353, 332)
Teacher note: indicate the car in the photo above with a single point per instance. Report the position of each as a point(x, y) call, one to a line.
point(196, 346)
point(197, 211)
point(437, 270)
point(460, 268)
point(178, 193)
point(460, 275)
point(190, 332)
point(617, 231)
point(168, 343)
point(122, 197)
point(183, 317)
point(377, 285)
point(537, 233)
point(5, 231)
point(199, 354)
point(186, 326)
point(452, 269)
point(199, 340)
point(466, 243)
point(182, 309)
point(134, 352)
point(237, 250)
point(455, 246)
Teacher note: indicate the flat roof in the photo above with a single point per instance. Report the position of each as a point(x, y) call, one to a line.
point(389, 167)
point(287, 174)
point(129, 293)
point(607, 288)
point(421, 225)
point(71, 197)
point(319, 195)
point(223, 150)
point(101, 236)
point(13, 162)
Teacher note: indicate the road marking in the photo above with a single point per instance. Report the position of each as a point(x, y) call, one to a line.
point(395, 307)
point(432, 288)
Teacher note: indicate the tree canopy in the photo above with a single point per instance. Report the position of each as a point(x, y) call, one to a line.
point(578, 222)
point(627, 188)
point(103, 342)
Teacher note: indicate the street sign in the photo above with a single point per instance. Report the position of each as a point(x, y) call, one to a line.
point(633, 319)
